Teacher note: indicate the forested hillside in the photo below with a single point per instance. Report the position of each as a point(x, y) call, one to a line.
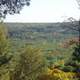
point(39, 51)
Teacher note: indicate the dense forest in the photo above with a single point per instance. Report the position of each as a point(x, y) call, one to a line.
point(39, 51)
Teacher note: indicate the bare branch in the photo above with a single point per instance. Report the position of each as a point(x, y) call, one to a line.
point(78, 1)
point(73, 22)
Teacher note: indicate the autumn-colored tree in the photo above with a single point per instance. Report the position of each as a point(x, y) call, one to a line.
point(3, 39)
point(31, 65)
point(4, 45)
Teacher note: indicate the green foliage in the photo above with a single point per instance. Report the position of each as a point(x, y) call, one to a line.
point(31, 64)
point(4, 45)
point(73, 64)
point(68, 68)
point(5, 56)
point(76, 53)
point(3, 40)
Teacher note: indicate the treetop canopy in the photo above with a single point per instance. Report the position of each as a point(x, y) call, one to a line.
point(12, 6)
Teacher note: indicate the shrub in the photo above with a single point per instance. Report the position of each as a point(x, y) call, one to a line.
point(31, 64)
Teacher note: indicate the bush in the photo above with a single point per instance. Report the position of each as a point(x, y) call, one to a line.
point(68, 69)
point(31, 64)
point(57, 74)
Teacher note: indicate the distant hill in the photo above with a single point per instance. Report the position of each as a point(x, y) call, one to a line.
point(34, 31)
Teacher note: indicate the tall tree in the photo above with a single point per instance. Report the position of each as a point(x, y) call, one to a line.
point(4, 45)
point(78, 1)
point(74, 61)
point(3, 39)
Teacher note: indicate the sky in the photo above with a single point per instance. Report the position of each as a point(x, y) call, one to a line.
point(46, 11)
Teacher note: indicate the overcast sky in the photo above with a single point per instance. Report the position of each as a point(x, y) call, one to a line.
point(46, 11)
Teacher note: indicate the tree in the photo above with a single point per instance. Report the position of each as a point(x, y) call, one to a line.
point(74, 61)
point(12, 6)
point(76, 53)
point(3, 39)
point(31, 64)
point(78, 1)
point(4, 45)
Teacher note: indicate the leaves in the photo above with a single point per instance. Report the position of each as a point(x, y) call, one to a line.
point(12, 6)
